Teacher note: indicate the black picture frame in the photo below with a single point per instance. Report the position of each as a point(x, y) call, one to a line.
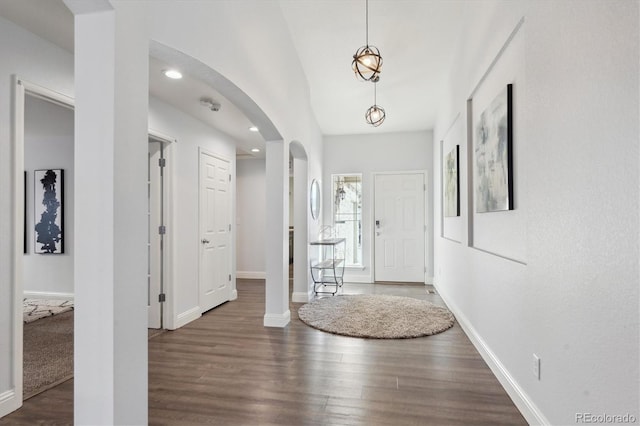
point(24, 214)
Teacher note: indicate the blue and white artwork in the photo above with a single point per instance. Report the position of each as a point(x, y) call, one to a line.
point(493, 178)
point(48, 208)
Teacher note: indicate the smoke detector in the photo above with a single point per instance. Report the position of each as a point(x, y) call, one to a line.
point(210, 103)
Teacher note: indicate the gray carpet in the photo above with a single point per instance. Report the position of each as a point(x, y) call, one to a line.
point(376, 316)
point(48, 353)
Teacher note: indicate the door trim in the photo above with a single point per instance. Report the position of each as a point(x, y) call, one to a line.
point(168, 317)
point(12, 399)
point(372, 212)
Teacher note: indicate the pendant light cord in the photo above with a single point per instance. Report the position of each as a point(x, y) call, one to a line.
point(367, 20)
point(375, 93)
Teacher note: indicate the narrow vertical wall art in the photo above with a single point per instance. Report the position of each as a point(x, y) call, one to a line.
point(493, 155)
point(452, 183)
point(48, 211)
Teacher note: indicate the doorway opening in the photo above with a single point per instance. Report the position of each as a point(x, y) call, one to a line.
point(43, 281)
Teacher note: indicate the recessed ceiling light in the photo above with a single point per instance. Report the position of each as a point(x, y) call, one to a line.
point(253, 129)
point(255, 150)
point(174, 74)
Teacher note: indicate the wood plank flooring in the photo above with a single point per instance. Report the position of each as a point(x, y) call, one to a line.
point(227, 369)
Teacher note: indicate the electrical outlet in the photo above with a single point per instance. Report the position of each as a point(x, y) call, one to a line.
point(536, 366)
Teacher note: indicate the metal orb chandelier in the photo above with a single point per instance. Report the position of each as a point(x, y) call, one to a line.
point(375, 115)
point(367, 62)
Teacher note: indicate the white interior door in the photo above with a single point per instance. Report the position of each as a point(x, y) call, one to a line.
point(215, 229)
point(154, 246)
point(399, 221)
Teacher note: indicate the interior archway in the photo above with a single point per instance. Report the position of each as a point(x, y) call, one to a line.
point(300, 222)
point(219, 82)
point(276, 287)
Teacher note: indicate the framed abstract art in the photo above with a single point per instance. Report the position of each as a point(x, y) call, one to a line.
point(48, 209)
point(493, 145)
point(451, 181)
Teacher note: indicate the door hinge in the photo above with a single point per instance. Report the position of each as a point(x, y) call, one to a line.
point(424, 186)
point(229, 227)
point(162, 229)
point(162, 297)
point(162, 162)
point(229, 178)
point(229, 277)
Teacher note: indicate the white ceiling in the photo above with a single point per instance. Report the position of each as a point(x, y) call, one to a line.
point(417, 40)
point(185, 95)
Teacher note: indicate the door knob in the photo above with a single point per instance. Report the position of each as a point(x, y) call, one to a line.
point(204, 241)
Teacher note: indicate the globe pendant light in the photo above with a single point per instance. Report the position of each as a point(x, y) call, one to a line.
point(375, 115)
point(367, 62)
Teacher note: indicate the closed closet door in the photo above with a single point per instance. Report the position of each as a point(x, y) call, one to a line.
point(215, 231)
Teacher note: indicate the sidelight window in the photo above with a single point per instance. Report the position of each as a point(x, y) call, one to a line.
point(347, 214)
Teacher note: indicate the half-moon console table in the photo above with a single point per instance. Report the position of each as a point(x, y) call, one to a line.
point(328, 271)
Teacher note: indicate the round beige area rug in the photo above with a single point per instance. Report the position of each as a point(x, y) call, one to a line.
point(376, 316)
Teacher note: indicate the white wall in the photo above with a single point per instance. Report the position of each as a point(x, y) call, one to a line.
point(48, 139)
point(191, 134)
point(251, 202)
point(41, 62)
point(367, 154)
point(566, 288)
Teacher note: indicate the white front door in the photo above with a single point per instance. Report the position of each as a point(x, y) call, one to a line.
point(399, 221)
point(215, 230)
point(154, 246)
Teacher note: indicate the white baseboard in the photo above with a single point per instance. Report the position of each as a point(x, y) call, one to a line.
point(528, 409)
point(277, 320)
point(187, 316)
point(251, 275)
point(8, 402)
point(299, 297)
point(359, 279)
point(47, 295)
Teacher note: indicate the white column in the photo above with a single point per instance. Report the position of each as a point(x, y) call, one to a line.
point(111, 85)
point(277, 235)
point(301, 274)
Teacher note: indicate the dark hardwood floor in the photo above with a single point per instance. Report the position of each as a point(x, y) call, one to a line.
point(227, 369)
